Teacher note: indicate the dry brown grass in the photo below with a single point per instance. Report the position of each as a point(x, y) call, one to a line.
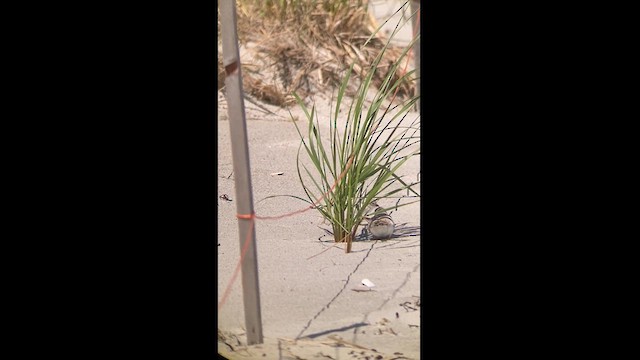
point(306, 46)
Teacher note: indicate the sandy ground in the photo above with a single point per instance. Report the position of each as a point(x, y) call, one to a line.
point(309, 306)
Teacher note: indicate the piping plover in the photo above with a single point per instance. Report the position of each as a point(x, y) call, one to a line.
point(381, 225)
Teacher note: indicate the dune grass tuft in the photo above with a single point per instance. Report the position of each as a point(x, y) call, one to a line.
point(360, 161)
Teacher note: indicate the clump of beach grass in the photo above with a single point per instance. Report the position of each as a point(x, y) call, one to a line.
point(360, 162)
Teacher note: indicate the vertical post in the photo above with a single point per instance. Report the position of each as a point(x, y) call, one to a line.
point(415, 6)
point(241, 170)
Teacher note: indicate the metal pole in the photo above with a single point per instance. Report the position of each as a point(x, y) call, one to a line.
point(415, 5)
point(241, 170)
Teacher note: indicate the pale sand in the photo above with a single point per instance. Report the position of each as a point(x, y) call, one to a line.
point(295, 291)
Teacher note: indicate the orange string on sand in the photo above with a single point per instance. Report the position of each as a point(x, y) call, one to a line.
point(245, 247)
point(313, 205)
point(252, 217)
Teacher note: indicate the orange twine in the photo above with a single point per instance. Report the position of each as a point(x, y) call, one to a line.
point(253, 216)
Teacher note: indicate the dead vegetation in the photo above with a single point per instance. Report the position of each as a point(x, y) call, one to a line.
point(306, 46)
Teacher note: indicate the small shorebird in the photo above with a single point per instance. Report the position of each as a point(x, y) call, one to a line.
point(380, 225)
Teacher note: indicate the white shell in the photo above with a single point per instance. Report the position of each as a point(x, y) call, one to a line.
point(367, 283)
